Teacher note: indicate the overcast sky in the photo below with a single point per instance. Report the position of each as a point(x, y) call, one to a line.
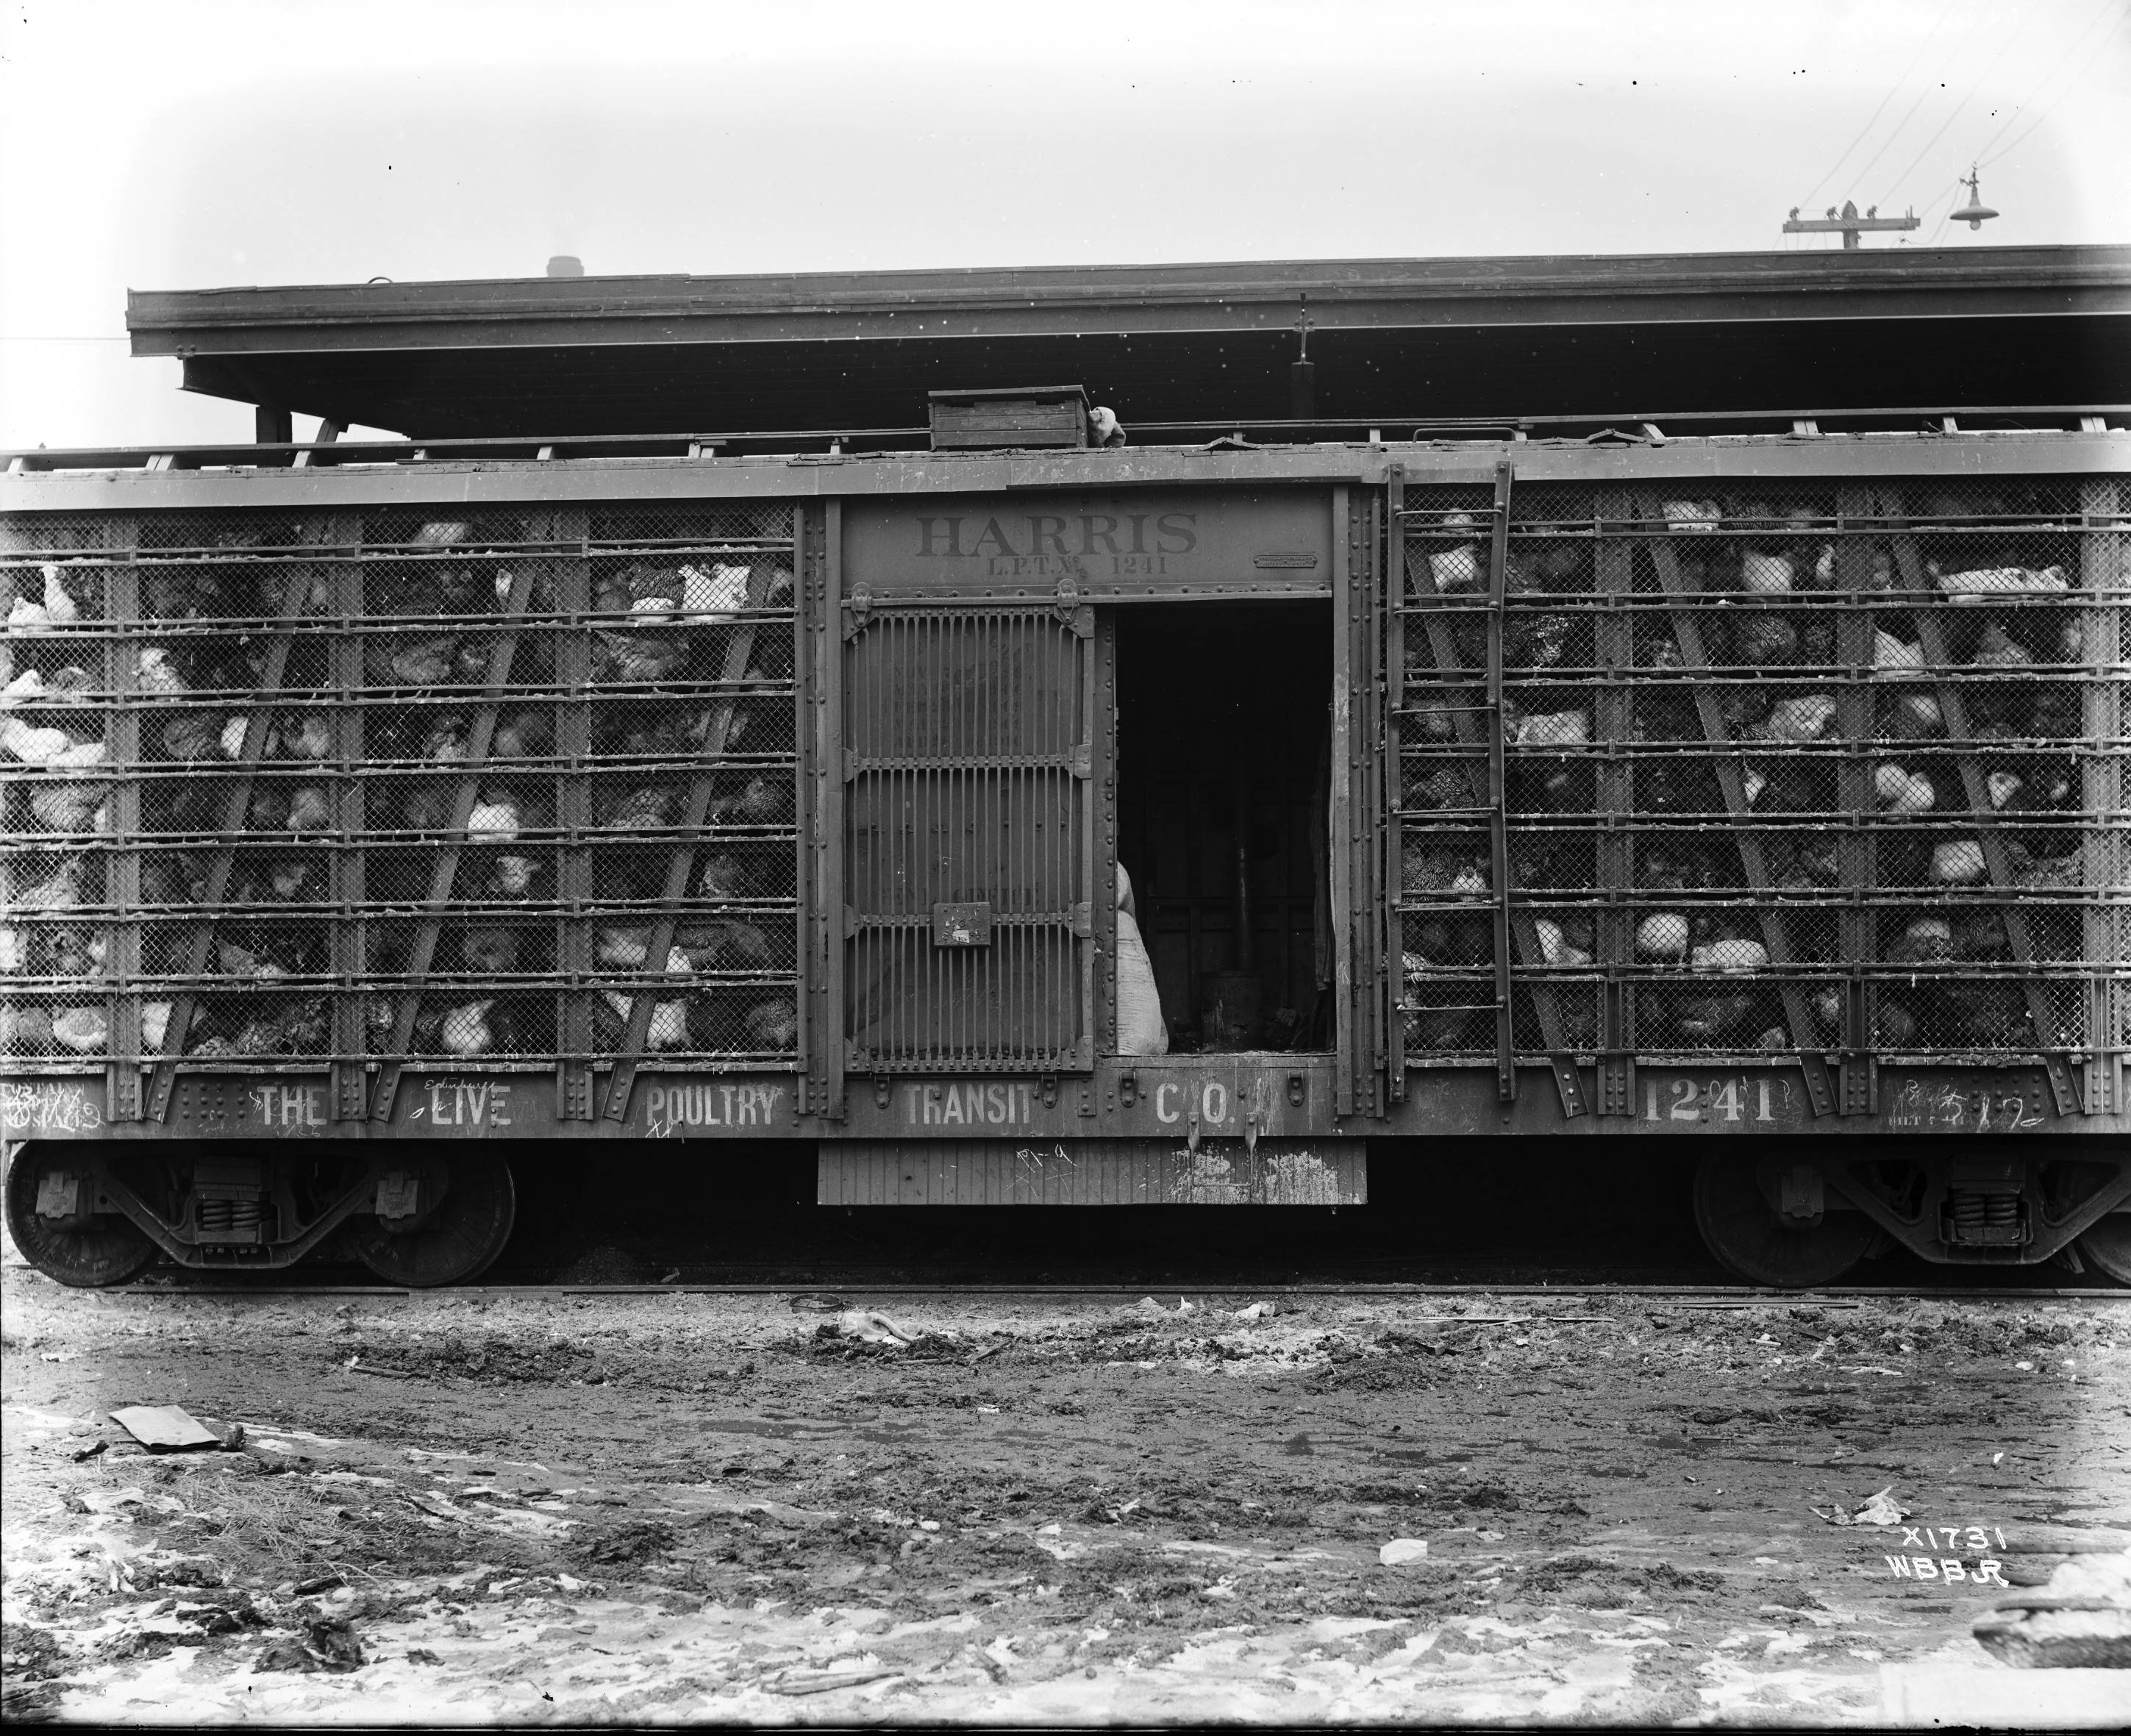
point(193, 143)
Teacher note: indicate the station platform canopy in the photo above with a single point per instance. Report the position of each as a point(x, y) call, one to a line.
point(1405, 344)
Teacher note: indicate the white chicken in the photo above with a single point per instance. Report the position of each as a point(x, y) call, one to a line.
point(668, 1028)
point(156, 674)
point(466, 1029)
point(1958, 862)
point(26, 617)
point(60, 608)
point(717, 592)
point(308, 810)
point(1890, 652)
point(32, 745)
point(1804, 717)
point(1731, 957)
point(1901, 791)
point(1549, 729)
point(494, 819)
point(1555, 947)
point(1663, 937)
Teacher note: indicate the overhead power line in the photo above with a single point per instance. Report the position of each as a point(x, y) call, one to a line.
point(2093, 60)
point(1900, 80)
point(1922, 97)
point(2017, 31)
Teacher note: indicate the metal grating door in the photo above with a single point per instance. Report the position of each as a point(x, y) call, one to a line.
point(968, 839)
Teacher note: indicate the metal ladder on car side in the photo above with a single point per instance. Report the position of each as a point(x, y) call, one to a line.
point(1479, 730)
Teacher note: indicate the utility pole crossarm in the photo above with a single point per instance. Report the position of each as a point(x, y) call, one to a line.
point(1847, 224)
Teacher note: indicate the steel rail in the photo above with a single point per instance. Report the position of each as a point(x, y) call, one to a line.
point(1705, 1295)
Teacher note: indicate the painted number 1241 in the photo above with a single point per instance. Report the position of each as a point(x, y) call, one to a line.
point(1688, 1100)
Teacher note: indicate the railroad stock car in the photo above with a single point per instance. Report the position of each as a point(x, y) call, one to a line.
point(1464, 703)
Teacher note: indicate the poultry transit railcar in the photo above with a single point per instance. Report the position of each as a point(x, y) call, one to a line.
point(367, 822)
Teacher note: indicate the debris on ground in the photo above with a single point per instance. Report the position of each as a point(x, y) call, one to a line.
point(1880, 1510)
point(1379, 1509)
point(868, 1326)
point(165, 1427)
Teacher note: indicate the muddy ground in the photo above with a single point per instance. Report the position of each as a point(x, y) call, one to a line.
point(470, 1507)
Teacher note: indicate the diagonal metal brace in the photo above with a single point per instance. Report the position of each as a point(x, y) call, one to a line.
point(423, 951)
point(1953, 709)
point(681, 865)
point(235, 809)
point(1775, 935)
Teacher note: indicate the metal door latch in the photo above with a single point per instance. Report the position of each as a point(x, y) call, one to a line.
point(1127, 1088)
point(1191, 1128)
point(883, 1089)
point(1050, 1091)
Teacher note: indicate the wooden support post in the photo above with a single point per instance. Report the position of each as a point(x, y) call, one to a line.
point(574, 812)
point(1614, 847)
point(820, 627)
point(122, 861)
point(1858, 851)
point(1392, 588)
point(2105, 791)
point(350, 928)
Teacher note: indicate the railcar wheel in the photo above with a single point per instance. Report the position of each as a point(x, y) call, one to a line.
point(1740, 1228)
point(2106, 1246)
point(455, 1241)
point(87, 1250)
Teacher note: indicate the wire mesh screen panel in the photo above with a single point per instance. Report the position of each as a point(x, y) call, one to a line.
point(382, 787)
point(968, 831)
point(1809, 768)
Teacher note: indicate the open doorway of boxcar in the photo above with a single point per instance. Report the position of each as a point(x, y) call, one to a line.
point(1224, 769)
